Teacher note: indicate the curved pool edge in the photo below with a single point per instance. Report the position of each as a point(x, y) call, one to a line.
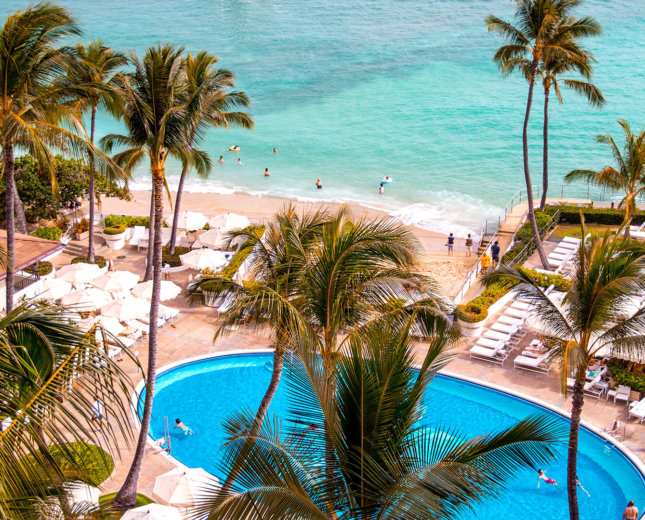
point(631, 456)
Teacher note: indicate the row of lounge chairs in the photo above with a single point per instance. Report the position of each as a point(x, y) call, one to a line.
point(563, 253)
point(637, 410)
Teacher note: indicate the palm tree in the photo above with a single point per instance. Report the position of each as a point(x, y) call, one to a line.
point(540, 26)
point(50, 373)
point(159, 120)
point(596, 318)
point(94, 66)
point(385, 464)
point(209, 88)
point(629, 174)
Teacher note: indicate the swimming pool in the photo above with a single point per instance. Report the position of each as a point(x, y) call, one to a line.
point(206, 391)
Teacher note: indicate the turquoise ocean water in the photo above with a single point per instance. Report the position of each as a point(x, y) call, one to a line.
point(350, 91)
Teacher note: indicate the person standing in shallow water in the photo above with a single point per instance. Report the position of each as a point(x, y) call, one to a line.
point(631, 511)
point(381, 189)
point(318, 184)
point(267, 173)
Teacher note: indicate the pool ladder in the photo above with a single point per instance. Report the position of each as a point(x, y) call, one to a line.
point(166, 433)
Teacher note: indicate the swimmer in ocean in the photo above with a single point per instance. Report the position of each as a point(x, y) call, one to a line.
point(220, 160)
point(267, 173)
point(275, 150)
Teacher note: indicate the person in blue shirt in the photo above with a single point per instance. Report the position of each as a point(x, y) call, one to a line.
point(495, 253)
point(451, 244)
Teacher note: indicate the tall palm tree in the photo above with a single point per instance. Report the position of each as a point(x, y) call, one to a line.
point(629, 174)
point(388, 463)
point(157, 114)
point(42, 357)
point(596, 318)
point(209, 88)
point(540, 26)
point(94, 66)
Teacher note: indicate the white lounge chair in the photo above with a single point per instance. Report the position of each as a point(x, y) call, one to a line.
point(622, 393)
point(168, 313)
point(592, 389)
point(489, 343)
point(138, 233)
point(523, 306)
point(540, 364)
point(516, 313)
point(566, 246)
point(503, 327)
point(137, 325)
point(558, 257)
point(489, 354)
point(493, 334)
point(509, 320)
point(637, 409)
point(571, 240)
point(563, 251)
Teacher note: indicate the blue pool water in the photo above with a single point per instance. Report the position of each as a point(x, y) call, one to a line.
point(205, 392)
point(352, 90)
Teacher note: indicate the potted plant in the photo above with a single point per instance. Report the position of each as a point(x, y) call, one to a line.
point(45, 269)
point(470, 319)
point(81, 229)
point(211, 292)
point(114, 236)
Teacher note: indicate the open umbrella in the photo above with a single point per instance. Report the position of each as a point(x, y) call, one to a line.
point(79, 273)
point(229, 222)
point(116, 281)
point(190, 220)
point(86, 299)
point(111, 325)
point(126, 309)
point(169, 290)
point(213, 238)
point(203, 258)
point(52, 289)
point(152, 512)
point(181, 487)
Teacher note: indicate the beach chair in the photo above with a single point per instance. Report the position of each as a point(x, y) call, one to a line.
point(509, 320)
point(563, 251)
point(592, 389)
point(168, 313)
point(503, 327)
point(491, 355)
point(540, 364)
point(637, 231)
point(622, 393)
point(489, 343)
point(523, 306)
point(637, 409)
point(138, 233)
point(571, 240)
point(493, 334)
point(566, 246)
point(137, 325)
point(516, 313)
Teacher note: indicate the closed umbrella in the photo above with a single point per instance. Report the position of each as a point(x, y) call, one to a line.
point(169, 290)
point(79, 273)
point(152, 512)
point(229, 222)
point(213, 238)
point(52, 289)
point(203, 258)
point(116, 281)
point(86, 299)
point(126, 309)
point(181, 487)
point(190, 220)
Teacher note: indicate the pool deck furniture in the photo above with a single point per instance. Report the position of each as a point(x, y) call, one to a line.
point(491, 355)
point(516, 313)
point(621, 393)
point(540, 364)
point(509, 320)
point(637, 409)
point(493, 334)
point(488, 343)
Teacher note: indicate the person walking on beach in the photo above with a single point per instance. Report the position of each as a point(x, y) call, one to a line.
point(469, 245)
point(267, 173)
point(494, 249)
point(381, 189)
point(451, 244)
point(318, 184)
point(221, 159)
point(631, 511)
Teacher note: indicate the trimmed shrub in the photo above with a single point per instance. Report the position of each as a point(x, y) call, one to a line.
point(604, 216)
point(48, 233)
point(98, 260)
point(173, 260)
point(124, 220)
point(619, 370)
point(82, 226)
point(44, 268)
point(471, 313)
point(114, 230)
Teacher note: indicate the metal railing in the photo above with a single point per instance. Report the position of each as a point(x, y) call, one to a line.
point(527, 250)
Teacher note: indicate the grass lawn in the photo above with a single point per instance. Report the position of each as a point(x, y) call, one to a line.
point(142, 500)
point(573, 230)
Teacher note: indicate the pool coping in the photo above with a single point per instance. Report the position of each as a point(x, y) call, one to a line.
point(560, 411)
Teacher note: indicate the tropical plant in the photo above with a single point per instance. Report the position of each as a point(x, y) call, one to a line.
point(158, 117)
point(94, 67)
point(50, 374)
point(33, 107)
point(629, 174)
point(387, 461)
point(209, 88)
point(596, 318)
point(541, 26)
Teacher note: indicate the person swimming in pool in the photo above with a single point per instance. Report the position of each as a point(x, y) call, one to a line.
point(542, 476)
point(183, 427)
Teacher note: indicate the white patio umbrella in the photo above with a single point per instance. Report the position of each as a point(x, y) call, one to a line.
point(116, 281)
point(181, 487)
point(203, 258)
point(86, 299)
point(112, 325)
point(152, 512)
point(228, 222)
point(52, 289)
point(190, 220)
point(126, 309)
point(79, 273)
point(169, 290)
point(213, 238)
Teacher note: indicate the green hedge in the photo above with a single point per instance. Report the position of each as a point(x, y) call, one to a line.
point(127, 221)
point(98, 260)
point(619, 370)
point(471, 313)
point(524, 236)
point(44, 268)
point(48, 233)
point(114, 230)
point(173, 259)
point(605, 216)
point(114, 514)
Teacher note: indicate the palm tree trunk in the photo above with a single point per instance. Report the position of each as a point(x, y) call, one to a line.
point(127, 495)
point(572, 460)
point(175, 220)
point(545, 150)
point(21, 220)
point(527, 173)
point(90, 245)
point(151, 227)
point(278, 362)
point(7, 153)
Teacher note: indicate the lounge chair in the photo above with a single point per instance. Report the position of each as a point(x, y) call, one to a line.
point(592, 389)
point(523, 306)
point(637, 409)
point(168, 313)
point(493, 334)
point(137, 325)
point(615, 429)
point(563, 251)
point(622, 393)
point(516, 313)
point(489, 354)
point(509, 320)
point(503, 327)
point(540, 364)
point(566, 246)
point(558, 257)
point(138, 233)
point(489, 343)
point(637, 231)
point(571, 240)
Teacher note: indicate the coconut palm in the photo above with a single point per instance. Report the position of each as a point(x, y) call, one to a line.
point(540, 26)
point(388, 462)
point(94, 66)
point(210, 89)
point(629, 174)
point(50, 373)
point(596, 318)
point(159, 120)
